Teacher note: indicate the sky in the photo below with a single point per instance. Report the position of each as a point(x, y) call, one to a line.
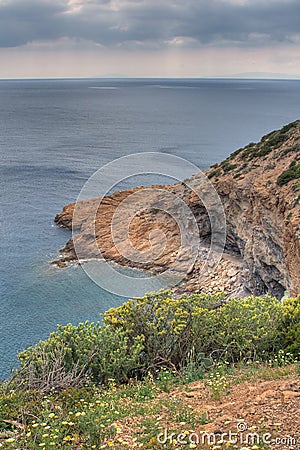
point(149, 38)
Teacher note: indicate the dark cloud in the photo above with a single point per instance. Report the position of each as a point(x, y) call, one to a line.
point(150, 22)
point(24, 21)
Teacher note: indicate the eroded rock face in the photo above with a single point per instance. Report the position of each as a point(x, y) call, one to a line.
point(260, 192)
point(263, 213)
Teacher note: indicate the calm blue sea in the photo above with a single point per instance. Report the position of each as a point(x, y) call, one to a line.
point(55, 133)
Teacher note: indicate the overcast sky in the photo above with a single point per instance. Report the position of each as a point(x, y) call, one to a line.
point(149, 38)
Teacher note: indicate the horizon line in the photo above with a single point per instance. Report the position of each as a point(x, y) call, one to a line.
point(151, 78)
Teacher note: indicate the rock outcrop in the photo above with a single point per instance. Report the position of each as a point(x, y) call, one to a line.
point(259, 187)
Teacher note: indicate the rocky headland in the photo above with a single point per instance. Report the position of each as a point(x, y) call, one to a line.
point(259, 187)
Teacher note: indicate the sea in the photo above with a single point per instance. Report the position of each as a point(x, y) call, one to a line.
point(55, 133)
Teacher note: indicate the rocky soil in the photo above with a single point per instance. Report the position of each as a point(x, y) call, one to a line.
point(251, 411)
point(259, 187)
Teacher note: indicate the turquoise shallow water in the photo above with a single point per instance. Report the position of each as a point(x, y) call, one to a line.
point(55, 133)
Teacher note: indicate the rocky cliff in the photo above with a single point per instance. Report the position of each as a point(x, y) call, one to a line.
point(259, 187)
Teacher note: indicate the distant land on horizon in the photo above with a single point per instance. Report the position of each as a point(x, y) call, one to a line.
point(264, 75)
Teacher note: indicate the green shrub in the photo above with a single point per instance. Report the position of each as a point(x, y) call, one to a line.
point(291, 325)
point(12, 405)
point(290, 126)
point(227, 167)
point(166, 324)
point(292, 173)
point(249, 152)
point(295, 148)
point(264, 149)
point(73, 353)
point(174, 328)
point(215, 173)
point(242, 150)
point(249, 327)
point(159, 331)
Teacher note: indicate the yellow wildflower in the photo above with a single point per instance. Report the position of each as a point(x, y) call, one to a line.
point(67, 438)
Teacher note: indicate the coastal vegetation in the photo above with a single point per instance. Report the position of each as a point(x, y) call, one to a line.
point(159, 330)
point(292, 173)
point(268, 143)
point(85, 383)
